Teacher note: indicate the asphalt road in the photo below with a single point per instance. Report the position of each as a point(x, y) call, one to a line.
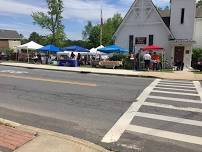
point(87, 106)
point(74, 107)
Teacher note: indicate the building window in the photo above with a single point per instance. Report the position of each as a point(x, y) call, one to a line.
point(131, 39)
point(151, 39)
point(182, 15)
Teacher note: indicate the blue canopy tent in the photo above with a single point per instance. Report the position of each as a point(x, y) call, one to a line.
point(75, 48)
point(49, 48)
point(113, 49)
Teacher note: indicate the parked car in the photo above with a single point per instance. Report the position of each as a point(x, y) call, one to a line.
point(197, 65)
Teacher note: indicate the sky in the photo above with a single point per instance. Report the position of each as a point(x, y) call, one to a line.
point(16, 14)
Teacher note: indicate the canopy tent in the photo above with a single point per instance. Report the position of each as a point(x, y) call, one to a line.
point(94, 51)
point(152, 48)
point(113, 49)
point(49, 48)
point(30, 46)
point(75, 48)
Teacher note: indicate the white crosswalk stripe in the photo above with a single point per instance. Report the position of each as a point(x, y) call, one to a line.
point(183, 84)
point(179, 93)
point(176, 86)
point(176, 89)
point(166, 134)
point(172, 107)
point(162, 88)
point(175, 99)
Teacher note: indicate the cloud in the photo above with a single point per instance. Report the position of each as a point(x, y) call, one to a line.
point(88, 9)
point(73, 9)
point(16, 7)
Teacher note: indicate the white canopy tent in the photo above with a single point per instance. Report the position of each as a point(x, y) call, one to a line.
point(29, 46)
point(94, 51)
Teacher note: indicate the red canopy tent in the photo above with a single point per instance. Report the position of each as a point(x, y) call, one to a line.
point(152, 48)
point(156, 48)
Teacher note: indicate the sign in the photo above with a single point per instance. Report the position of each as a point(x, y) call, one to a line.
point(140, 40)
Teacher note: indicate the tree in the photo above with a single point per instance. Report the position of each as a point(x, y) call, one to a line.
point(110, 28)
point(199, 4)
point(92, 32)
point(52, 21)
point(87, 30)
point(34, 36)
point(94, 37)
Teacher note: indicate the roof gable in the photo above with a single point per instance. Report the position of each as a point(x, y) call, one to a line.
point(141, 13)
point(9, 34)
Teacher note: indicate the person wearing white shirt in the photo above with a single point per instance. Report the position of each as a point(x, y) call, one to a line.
point(147, 60)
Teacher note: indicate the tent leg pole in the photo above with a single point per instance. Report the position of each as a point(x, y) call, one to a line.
point(27, 56)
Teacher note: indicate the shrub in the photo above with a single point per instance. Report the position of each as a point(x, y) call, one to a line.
point(197, 54)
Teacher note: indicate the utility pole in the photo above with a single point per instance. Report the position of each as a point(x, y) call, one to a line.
point(101, 27)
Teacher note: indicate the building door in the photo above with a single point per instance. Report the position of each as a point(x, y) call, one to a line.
point(179, 54)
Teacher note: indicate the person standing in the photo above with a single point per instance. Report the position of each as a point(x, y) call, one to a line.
point(147, 60)
point(72, 56)
point(78, 59)
point(156, 60)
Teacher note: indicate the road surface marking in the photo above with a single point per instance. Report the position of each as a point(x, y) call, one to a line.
point(176, 99)
point(166, 134)
point(172, 81)
point(174, 84)
point(120, 126)
point(175, 89)
point(198, 88)
point(124, 123)
point(170, 119)
point(177, 86)
point(14, 72)
point(49, 80)
point(177, 93)
point(172, 107)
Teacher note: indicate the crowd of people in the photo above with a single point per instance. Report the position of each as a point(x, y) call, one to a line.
point(39, 58)
point(152, 61)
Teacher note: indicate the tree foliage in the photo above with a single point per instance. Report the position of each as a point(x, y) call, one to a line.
point(197, 54)
point(91, 32)
point(52, 20)
point(199, 4)
point(34, 36)
point(87, 29)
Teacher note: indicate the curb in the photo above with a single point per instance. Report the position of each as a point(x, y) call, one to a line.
point(83, 72)
point(87, 72)
point(71, 139)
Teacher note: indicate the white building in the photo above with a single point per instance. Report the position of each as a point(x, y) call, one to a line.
point(198, 29)
point(144, 25)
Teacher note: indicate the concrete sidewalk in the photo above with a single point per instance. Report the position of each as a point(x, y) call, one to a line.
point(180, 75)
point(41, 140)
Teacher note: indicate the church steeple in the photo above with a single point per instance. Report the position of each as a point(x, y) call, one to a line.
point(182, 18)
